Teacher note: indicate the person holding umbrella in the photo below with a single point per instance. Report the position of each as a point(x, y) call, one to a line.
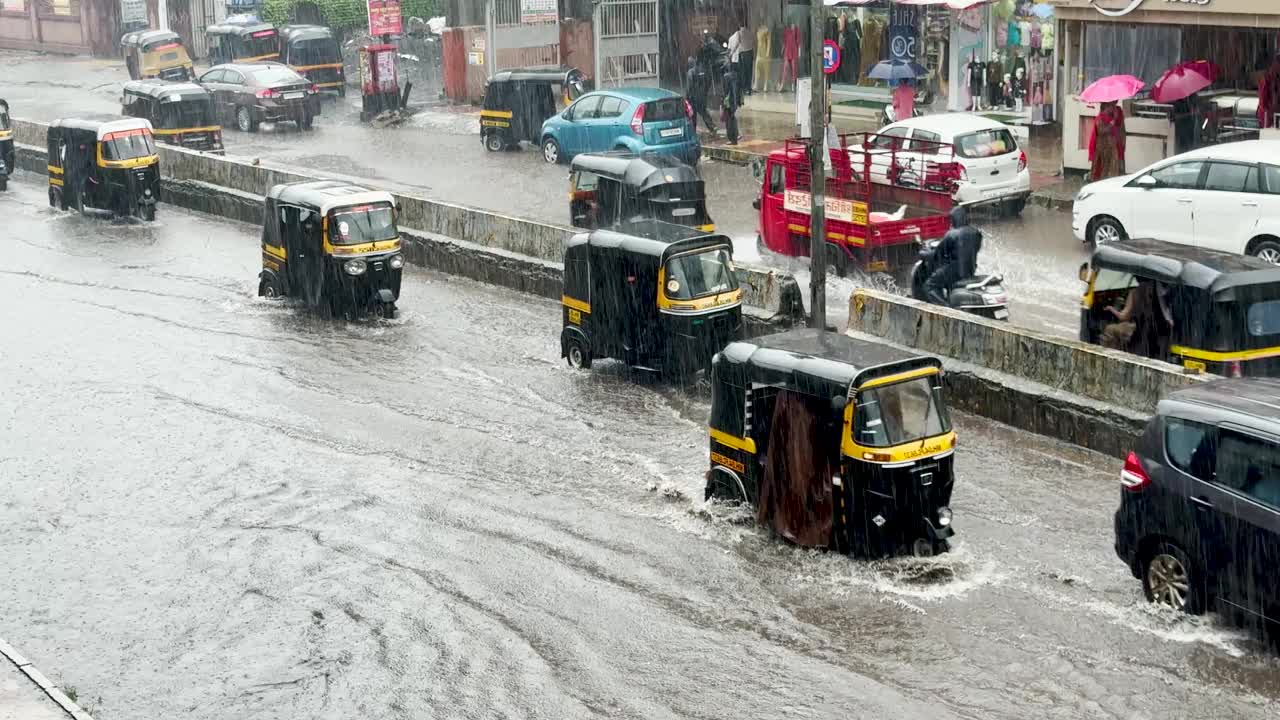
point(901, 74)
point(1107, 142)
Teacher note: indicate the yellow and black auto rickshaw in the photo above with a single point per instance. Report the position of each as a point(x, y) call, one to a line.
point(516, 102)
point(106, 162)
point(654, 295)
point(609, 189)
point(156, 54)
point(242, 42)
point(7, 156)
point(181, 114)
point(312, 51)
point(1206, 310)
point(835, 442)
point(334, 245)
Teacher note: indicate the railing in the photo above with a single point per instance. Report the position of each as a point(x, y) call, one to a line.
point(628, 18)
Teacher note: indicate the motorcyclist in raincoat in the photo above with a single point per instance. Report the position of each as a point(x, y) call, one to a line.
point(957, 256)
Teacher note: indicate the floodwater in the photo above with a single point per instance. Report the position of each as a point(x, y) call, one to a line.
point(217, 506)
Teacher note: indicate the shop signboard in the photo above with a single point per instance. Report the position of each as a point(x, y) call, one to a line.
point(132, 12)
point(904, 32)
point(1126, 8)
point(537, 11)
point(384, 17)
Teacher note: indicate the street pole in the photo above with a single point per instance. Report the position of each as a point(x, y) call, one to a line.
point(817, 170)
point(490, 41)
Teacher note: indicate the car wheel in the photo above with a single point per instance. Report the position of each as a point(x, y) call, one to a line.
point(837, 261)
point(245, 121)
point(577, 354)
point(1268, 250)
point(1106, 230)
point(493, 142)
point(551, 151)
point(1170, 578)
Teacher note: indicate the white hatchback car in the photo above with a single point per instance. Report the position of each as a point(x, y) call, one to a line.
point(995, 168)
point(1223, 197)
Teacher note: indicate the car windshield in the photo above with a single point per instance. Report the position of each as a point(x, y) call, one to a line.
point(664, 110)
point(362, 224)
point(178, 114)
point(900, 413)
point(313, 52)
point(701, 273)
point(127, 145)
point(279, 75)
point(985, 144)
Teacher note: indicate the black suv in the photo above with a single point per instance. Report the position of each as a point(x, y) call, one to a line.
point(1199, 517)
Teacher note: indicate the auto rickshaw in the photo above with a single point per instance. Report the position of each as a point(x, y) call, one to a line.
point(835, 442)
point(107, 162)
point(608, 189)
point(181, 114)
point(516, 102)
point(655, 295)
point(245, 41)
point(312, 51)
point(332, 244)
point(156, 54)
point(1206, 310)
point(7, 156)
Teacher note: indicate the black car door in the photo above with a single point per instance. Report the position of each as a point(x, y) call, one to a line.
point(234, 84)
point(1248, 471)
point(212, 81)
point(1177, 504)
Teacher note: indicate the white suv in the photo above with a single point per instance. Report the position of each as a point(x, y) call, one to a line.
point(1222, 197)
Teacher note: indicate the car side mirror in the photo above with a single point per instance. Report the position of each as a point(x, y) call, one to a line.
point(1084, 272)
point(1146, 182)
point(756, 203)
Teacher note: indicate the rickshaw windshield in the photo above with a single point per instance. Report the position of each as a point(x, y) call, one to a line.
point(127, 145)
point(313, 52)
point(900, 413)
point(362, 224)
point(179, 114)
point(263, 42)
point(695, 275)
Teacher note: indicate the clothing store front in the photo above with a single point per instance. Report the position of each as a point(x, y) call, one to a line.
point(1003, 61)
point(1098, 38)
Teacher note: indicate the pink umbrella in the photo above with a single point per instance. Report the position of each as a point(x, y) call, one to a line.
point(1112, 88)
point(1182, 80)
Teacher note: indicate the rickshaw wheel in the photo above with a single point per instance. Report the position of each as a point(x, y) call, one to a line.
point(578, 355)
point(4, 182)
point(148, 213)
point(837, 261)
point(55, 199)
point(493, 142)
point(268, 290)
point(307, 122)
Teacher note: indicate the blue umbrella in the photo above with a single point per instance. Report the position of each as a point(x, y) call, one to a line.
point(897, 70)
point(1043, 11)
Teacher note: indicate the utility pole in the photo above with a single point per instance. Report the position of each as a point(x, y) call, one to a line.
point(490, 39)
point(817, 169)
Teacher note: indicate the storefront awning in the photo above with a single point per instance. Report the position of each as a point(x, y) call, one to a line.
point(953, 4)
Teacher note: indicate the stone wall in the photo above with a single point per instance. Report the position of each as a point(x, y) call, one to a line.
point(1089, 371)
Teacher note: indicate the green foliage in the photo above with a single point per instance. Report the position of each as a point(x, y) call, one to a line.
point(346, 16)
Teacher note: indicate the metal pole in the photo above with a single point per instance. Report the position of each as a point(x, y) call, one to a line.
point(597, 79)
point(817, 170)
point(490, 38)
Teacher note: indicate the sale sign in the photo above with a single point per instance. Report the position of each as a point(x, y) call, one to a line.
point(384, 17)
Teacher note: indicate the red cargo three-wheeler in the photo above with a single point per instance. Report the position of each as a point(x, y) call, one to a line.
point(884, 196)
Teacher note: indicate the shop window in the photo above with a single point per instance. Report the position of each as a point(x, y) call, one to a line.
point(1232, 177)
point(1144, 51)
point(59, 8)
point(13, 6)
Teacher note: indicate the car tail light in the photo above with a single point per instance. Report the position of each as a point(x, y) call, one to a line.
point(637, 120)
point(688, 110)
point(1234, 370)
point(313, 89)
point(1133, 477)
point(268, 93)
point(1022, 160)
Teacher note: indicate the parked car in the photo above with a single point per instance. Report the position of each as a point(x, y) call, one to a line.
point(633, 119)
point(1223, 197)
point(248, 94)
point(994, 166)
point(1199, 516)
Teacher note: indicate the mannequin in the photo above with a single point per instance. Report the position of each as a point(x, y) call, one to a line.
point(1006, 91)
point(790, 57)
point(976, 82)
point(995, 72)
point(761, 71)
point(851, 50)
point(1019, 88)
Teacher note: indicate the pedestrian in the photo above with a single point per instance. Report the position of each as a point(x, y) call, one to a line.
point(1106, 144)
point(904, 101)
point(742, 55)
point(696, 82)
point(729, 107)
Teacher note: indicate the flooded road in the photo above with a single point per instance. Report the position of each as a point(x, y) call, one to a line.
point(438, 152)
point(217, 506)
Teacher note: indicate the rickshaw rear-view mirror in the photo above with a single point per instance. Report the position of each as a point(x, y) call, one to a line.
point(757, 168)
point(1084, 272)
point(756, 203)
point(838, 402)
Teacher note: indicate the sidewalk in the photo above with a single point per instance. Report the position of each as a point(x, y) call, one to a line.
point(26, 694)
point(764, 125)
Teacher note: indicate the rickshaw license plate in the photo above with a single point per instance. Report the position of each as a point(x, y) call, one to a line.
point(1001, 314)
point(672, 132)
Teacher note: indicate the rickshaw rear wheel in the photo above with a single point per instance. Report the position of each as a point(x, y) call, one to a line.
point(493, 142)
point(578, 355)
point(55, 199)
point(147, 213)
point(308, 122)
point(4, 182)
point(837, 260)
point(722, 486)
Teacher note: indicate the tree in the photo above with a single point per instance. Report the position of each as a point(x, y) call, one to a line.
point(345, 16)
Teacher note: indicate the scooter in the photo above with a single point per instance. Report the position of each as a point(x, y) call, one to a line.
point(982, 295)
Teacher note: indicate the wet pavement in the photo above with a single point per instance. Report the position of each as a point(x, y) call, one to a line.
point(217, 506)
point(438, 152)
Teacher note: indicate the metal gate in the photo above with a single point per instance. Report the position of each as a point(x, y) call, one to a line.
point(626, 43)
point(526, 33)
point(202, 16)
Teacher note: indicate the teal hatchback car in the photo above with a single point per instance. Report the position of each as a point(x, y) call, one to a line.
point(638, 120)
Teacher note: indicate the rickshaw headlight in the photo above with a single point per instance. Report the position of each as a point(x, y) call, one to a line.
point(944, 516)
point(354, 267)
point(396, 262)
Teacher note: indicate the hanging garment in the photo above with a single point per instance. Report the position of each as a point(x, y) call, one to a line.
point(760, 81)
point(795, 496)
point(1024, 34)
point(1013, 35)
point(776, 34)
point(1046, 36)
point(851, 49)
point(1002, 35)
point(1037, 37)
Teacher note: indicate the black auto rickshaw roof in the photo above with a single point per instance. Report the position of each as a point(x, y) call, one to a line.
point(810, 358)
point(1210, 270)
point(322, 195)
point(305, 32)
point(238, 28)
point(164, 88)
point(561, 76)
point(643, 172)
point(655, 238)
point(143, 38)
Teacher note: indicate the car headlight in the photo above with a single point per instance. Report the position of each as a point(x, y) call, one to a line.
point(396, 262)
point(944, 516)
point(354, 267)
